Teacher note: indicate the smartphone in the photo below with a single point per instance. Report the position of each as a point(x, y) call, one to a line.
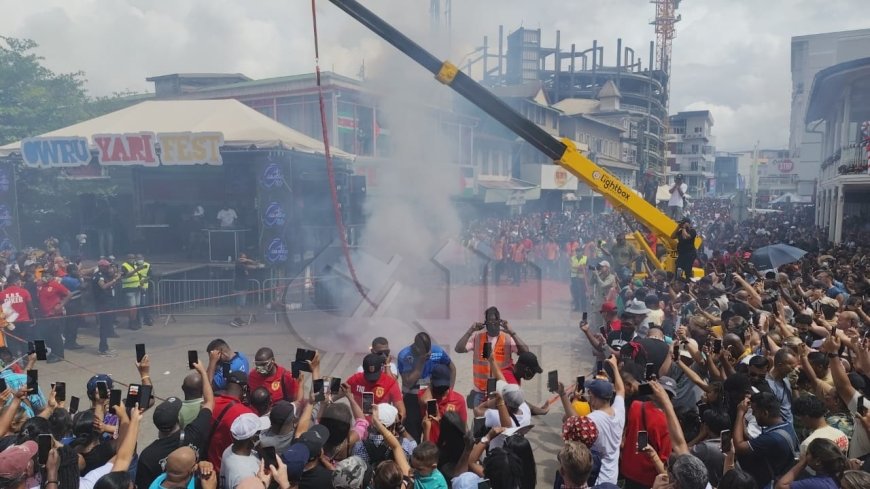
point(490, 385)
point(32, 380)
point(335, 385)
point(602, 331)
point(192, 358)
point(294, 369)
point(368, 399)
point(650, 372)
point(725, 437)
point(860, 408)
point(304, 356)
point(478, 428)
point(642, 440)
point(703, 407)
point(60, 391)
point(644, 390)
point(144, 397)
point(103, 389)
point(487, 350)
point(484, 484)
point(553, 380)
point(43, 442)
point(3, 385)
point(432, 407)
point(73, 405)
point(599, 366)
point(585, 317)
point(40, 349)
point(717, 345)
point(270, 459)
point(676, 352)
point(317, 387)
point(115, 398)
point(764, 345)
point(140, 352)
point(581, 383)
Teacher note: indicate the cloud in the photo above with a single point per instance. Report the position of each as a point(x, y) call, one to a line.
point(732, 56)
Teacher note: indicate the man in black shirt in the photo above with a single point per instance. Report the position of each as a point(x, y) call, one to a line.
point(170, 436)
point(315, 476)
point(103, 288)
point(686, 251)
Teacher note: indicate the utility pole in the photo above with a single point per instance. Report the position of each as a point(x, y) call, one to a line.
point(753, 175)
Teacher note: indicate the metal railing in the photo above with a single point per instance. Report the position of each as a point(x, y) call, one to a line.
point(201, 297)
point(853, 160)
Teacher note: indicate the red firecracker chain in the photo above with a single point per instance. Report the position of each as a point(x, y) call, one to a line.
point(330, 170)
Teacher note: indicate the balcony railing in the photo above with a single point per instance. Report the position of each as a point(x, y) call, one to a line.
point(851, 159)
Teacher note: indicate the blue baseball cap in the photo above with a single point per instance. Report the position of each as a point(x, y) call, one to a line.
point(602, 389)
point(295, 458)
point(92, 384)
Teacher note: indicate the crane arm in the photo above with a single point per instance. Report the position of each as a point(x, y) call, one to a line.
point(562, 152)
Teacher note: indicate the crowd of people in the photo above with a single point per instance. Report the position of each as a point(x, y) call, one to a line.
point(51, 297)
point(746, 378)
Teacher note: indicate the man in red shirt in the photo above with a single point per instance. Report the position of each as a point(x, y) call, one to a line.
point(372, 379)
point(227, 407)
point(19, 298)
point(447, 400)
point(273, 377)
point(645, 415)
point(52, 298)
point(525, 369)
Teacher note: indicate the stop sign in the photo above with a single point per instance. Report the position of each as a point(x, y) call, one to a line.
point(785, 166)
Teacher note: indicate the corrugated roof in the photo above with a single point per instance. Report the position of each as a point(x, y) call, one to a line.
point(574, 106)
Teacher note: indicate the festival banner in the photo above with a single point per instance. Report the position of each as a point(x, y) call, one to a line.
point(58, 152)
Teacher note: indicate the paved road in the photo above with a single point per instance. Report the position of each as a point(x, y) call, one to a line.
point(538, 312)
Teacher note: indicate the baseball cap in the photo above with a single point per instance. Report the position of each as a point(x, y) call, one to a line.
point(600, 388)
point(314, 439)
point(669, 385)
point(295, 457)
point(466, 480)
point(245, 426)
point(387, 413)
point(372, 365)
point(237, 377)
point(440, 376)
point(350, 473)
point(166, 414)
point(92, 383)
point(608, 307)
point(15, 459)
point(604, 263)
point(281, 412)
point(580, 428)
point(530, 360)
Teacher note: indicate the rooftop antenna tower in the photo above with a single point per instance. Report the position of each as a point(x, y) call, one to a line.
point(665, 22)
point(441, 18)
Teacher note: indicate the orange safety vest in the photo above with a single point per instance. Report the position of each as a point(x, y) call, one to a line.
point(481, 365)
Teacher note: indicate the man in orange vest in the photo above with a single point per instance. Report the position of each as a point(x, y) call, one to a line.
point(505, 343)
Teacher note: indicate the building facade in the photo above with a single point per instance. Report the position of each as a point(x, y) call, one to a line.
point(839, 107)
point(692, 151)
point(809, 55)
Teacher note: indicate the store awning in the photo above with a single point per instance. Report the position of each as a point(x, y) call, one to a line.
point(240, 125)
point(510, 192)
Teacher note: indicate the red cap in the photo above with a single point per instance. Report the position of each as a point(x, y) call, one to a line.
point(608, 307)
point(15, 460)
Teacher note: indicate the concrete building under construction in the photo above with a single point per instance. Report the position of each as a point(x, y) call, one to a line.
point(583, 76)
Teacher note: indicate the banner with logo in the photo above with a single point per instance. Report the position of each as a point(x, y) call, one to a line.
point(274, 196)
point(129, 149)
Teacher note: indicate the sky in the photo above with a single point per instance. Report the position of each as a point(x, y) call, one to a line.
point(729, 56)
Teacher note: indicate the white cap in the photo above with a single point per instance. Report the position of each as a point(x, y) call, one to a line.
point(604, 263)
point(245, 426)
point(387, 413)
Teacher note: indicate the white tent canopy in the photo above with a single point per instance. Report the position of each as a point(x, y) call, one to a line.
point(241, 125)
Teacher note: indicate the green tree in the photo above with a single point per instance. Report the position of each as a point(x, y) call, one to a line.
point(35, 100)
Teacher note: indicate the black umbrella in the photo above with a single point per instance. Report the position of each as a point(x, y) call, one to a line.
point(775, 256)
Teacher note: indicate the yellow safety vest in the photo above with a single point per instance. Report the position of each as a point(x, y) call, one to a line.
point(131, 278)
point(143, 275)
point(578, 266)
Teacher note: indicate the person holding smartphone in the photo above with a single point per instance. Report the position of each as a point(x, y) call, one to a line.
point(415, 364)
point(223, 360)
point(607, 400)
point(645, 416)
point(374, 379)
point(273, 377)
point(446, 400)
point(503, 344)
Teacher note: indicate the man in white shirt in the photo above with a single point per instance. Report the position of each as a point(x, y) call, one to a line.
point(518, 409)
point(677, 200)
point(607, 401)
point(227, 217)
